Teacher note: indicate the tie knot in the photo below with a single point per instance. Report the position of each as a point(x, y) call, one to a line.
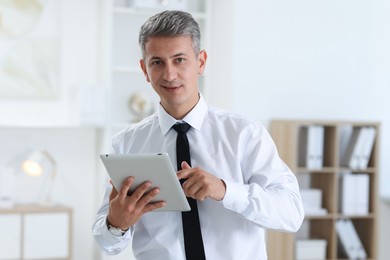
point(181, 128)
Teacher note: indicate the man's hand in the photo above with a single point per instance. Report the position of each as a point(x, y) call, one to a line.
point(125, 211)
point(201, 184)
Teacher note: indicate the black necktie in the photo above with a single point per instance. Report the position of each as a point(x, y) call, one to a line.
point(191, 227)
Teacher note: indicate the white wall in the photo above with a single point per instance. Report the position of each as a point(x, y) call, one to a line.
point(306, 60)
point(78, 68)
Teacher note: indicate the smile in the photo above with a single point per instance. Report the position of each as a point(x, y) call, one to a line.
point(172, 88)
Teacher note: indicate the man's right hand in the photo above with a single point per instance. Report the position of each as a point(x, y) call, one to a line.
point(125, 210)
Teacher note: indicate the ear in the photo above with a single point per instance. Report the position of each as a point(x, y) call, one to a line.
point(143, 67)
point(202, 58)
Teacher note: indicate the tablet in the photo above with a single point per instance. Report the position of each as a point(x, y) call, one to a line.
point(156, 168)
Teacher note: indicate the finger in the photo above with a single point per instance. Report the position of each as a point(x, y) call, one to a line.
point(148, 197)
point(194, 176)
point(140, 191)
point(197, 185)
point(126, 184)
point(192, 189)
point(202, 194)
point(113, 193)
point(154, 205)
point(185, 165)
point(184, 173)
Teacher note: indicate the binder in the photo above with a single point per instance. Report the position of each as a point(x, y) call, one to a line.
point(319, 146)
point(347, 193)
point(369, 134)
point(362, 191)
point(355, 148)
point(360, 252)
point(354, 193)
point(311, 147)
point(349, 241)
point(359, 149)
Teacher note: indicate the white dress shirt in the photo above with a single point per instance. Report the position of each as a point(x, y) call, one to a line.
point(261, 191)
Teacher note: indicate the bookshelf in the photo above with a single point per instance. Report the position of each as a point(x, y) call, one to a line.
point(326, 177)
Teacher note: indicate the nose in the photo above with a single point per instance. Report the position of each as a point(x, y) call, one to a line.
point(170, 72)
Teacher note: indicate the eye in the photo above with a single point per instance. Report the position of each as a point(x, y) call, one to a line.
point(155, 62)
point(180, 60)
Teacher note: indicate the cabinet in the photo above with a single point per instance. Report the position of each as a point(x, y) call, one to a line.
point(36, 232)
point(287, 135)
point(123, 76)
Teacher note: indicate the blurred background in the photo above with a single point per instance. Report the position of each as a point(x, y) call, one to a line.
point(69, 79)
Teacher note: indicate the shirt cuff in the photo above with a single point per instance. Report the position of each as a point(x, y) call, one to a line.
point(236, 197)
point(110, 238)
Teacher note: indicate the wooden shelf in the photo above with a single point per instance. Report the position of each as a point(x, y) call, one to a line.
point(35, 208)
point(286, 134)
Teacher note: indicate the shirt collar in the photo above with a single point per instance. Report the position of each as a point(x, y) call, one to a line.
point(195, 117)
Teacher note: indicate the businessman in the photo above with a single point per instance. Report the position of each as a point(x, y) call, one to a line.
point(229, 167)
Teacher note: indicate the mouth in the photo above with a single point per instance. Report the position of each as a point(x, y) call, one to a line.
point(172, 88)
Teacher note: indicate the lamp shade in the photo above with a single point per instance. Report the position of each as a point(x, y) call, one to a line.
point(38, 163)
point(38, 170)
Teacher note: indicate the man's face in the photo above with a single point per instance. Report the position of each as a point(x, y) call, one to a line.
point(172, 67)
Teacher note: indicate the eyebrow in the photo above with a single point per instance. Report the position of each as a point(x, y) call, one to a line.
point(172, 57)
point(179, 54)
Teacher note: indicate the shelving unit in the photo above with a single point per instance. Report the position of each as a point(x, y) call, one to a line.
point(286, 134)
point(36, 232)
point(122, 75)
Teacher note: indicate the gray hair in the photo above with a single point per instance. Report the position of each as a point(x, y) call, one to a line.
point(170, 24)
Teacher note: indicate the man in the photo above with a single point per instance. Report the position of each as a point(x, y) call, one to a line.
point(240, 184)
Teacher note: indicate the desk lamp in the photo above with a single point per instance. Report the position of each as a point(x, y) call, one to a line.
point(40, 164)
